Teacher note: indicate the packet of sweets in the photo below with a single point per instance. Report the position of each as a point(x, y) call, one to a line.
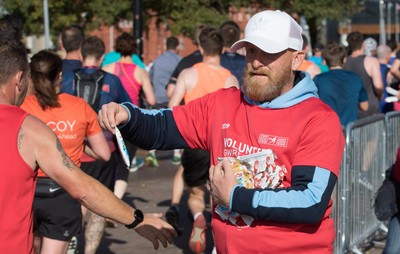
point(246, 167)
point(258, 170)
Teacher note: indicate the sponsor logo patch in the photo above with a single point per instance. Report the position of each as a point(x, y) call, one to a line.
point(105, 88)
point(273, 140)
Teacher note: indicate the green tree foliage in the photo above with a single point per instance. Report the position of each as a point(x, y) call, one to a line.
point(61, 13)
point(182, 16)
point(316, 9)
point(108, 12)
point(313, 10)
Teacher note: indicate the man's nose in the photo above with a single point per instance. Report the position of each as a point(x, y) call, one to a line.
point(255, 63)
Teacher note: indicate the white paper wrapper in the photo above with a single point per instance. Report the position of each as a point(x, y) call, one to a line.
point(122, 147)
point(257, 170)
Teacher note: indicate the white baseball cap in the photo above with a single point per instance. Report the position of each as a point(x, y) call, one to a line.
point(370, 45)
point(272, 32)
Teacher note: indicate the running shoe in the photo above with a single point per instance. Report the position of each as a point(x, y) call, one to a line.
point(151, 160)
point(135, 166)
point(197, 241)
point(172, 217)
point(176, 160)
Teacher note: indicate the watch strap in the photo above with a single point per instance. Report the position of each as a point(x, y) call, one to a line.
point(138, 219)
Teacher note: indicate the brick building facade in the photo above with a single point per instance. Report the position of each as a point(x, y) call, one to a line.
point(155, 36)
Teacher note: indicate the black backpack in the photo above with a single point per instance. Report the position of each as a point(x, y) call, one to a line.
point(386, 199)
point(89, 86)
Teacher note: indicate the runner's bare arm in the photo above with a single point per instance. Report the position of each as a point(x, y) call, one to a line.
point(47, 152)
point(184, 83)
point(147, 88)
point(169, 89)
point(395, 68)
point(99, 146)
point(374, 71)
point(363, 105)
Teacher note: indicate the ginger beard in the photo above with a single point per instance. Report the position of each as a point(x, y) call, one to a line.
point(265, 84)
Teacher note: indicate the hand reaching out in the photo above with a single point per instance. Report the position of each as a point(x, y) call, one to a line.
point(154, 229)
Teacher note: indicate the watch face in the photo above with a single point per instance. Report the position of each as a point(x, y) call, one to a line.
point(139, 216)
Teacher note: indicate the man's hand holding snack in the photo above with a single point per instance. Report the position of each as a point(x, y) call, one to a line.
point(222, 182)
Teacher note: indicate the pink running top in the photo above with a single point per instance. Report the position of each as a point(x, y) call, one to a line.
point(125, 72)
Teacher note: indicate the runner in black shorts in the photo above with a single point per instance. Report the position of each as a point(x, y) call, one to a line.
point(103, 171)
point(50, 220)
point(196, 163)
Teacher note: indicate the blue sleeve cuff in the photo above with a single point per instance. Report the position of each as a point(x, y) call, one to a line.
point(129, 113)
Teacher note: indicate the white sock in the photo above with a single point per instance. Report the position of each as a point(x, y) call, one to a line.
point(197, 215)
point(177, 152)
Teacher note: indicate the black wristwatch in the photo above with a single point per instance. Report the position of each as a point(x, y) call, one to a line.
point(138, 219)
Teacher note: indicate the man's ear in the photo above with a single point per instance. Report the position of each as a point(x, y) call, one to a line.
point(201, 50)
point(17, 80)
point(298, 58)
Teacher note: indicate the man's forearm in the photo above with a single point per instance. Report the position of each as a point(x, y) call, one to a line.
point(310, 196)
point(100, 200)
point(152, 129)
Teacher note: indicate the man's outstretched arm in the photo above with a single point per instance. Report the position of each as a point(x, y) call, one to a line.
point(147, 129)
point(39, 145)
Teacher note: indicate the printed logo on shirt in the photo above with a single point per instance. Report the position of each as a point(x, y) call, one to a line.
point(62, 126)
point(106, 88)
point(234, 148)
point(225, 126)
point(64, 129)
point(273, 140)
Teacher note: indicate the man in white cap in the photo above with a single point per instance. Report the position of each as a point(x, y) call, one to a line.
point(293, 142)
point(370, 47)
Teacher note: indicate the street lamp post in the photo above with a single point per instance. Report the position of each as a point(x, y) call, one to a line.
point(382, 37)
point(396, 21)
point(389, 20)
point(138, 26)
point(47, 42)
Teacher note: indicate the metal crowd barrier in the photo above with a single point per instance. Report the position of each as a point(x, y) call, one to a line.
point(339, 206)
point(392, 120)
point(362, 172)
